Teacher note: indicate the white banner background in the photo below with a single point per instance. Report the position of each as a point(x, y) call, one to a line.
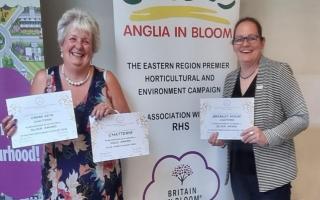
point(180, 165)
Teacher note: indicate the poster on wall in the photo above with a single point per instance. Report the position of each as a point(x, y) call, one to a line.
point(169, 54)
point(21, 56)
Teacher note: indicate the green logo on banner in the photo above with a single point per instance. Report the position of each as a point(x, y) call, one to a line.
point(223, 6)
point(132, 1)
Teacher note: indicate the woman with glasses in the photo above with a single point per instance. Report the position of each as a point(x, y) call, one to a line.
point(263, 164)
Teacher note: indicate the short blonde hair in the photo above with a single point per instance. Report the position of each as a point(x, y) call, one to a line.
point(82, 20)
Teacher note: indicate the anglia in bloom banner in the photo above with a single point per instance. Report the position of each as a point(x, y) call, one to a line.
point(21, 56)
point(170, 54)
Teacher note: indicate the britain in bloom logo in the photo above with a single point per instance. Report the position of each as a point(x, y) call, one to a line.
point(176, 177)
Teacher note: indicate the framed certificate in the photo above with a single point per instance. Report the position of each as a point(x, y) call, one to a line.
point(119, 136)
point(227, 116)
point(42, 118)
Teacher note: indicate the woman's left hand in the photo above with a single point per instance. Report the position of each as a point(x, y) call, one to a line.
point(254, 135)
point(101, 110)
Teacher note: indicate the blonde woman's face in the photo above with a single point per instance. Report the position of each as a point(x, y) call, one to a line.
point(77, 48)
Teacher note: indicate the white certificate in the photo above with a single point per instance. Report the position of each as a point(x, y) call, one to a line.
point(227, 116)
point(42, 118)
point(119, 136)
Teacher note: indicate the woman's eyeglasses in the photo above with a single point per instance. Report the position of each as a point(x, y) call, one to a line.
point(250, 39)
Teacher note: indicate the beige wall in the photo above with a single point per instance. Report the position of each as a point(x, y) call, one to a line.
point(292, 31)
point(101, 10)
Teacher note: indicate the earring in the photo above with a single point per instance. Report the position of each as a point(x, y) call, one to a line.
point(61, 53)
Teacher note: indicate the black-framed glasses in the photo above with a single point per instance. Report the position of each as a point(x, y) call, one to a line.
point(249, 38)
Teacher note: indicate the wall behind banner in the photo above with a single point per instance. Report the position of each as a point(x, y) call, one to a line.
point(292, 32)
point(102, 10)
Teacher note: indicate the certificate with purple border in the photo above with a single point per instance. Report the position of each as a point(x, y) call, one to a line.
point(227, 116)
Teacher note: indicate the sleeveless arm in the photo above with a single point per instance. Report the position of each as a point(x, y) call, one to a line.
point(39, 82)
point(114, 92)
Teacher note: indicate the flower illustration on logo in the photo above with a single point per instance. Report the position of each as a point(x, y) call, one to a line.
point(190, 169)
point(182, 172)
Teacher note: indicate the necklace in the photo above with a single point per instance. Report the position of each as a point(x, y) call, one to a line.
point(75, 83)
point(248, 76)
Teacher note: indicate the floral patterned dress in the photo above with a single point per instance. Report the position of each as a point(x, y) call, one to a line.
point(68, 170)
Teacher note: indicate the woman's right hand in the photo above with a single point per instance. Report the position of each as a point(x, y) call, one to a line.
point(101, 110)
point(213, 140)
point(9, 125)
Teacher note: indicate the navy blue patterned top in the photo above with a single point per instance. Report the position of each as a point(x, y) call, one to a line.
point(68, 170)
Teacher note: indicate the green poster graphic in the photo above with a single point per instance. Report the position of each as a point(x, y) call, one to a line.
point(21, 45)
point(21, 50)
